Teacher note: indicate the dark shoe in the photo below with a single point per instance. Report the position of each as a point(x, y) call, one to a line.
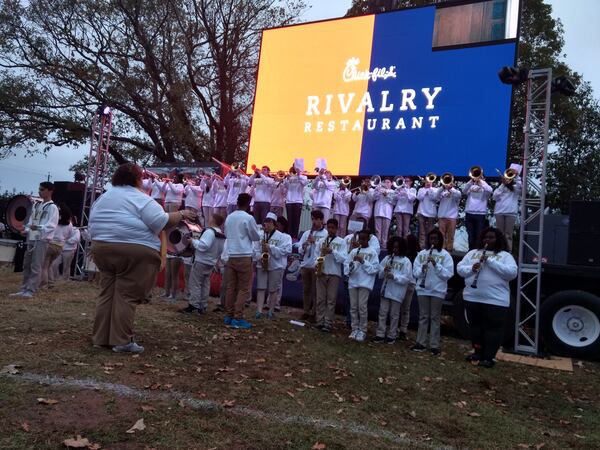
point(219, 308)
point(488, 364)
point(418, 348)
point(390, 341)
point(473, 357)
point(191, 310)
point(378, 340)
point(277, 309)
point(401, 336)
point(326, 329)
point(436, 352)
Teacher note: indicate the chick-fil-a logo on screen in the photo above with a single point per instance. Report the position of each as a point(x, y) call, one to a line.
point(352, 72)
point(399, 109)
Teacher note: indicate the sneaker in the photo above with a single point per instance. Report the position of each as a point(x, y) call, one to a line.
point(132, 347)
point(26, 294)
point(361, 336)
point(16, 294)
point(270, 315)
point(219, 308)
point(473, 357)
point(227, 320)
point(277, 309)
point(326, 329)
point(353, 334)
point(191, 310)
point(390, 340)
point(378, 340)
point(258, 315)
point(418, 348)
point(436, 352)
point(165, 295)
point(487, 363)
point(401, 336)
point(241, 324)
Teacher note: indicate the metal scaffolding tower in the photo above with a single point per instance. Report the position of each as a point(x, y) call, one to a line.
point(533, 196)
point(95, 180)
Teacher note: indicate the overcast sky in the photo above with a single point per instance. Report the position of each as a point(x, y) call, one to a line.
point(582, 38)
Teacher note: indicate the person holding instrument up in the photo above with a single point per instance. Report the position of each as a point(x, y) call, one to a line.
point(487, 271)
point(432, 269)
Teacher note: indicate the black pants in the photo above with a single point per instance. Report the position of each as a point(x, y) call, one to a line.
point(475, 224)
point(260, 211)
point(294, 210)
point(487, 324)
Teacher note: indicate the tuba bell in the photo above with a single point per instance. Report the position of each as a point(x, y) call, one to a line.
point(475, 173)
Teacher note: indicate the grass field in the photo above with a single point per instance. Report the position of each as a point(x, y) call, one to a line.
point(277, 386)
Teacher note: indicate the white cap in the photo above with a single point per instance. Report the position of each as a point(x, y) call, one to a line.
point(271, 216)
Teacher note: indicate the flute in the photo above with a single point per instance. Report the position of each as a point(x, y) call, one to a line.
point(481, 261)
point(425, 269)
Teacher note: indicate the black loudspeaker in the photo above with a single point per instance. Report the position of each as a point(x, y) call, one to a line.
point(70, 194)
point(584, 234)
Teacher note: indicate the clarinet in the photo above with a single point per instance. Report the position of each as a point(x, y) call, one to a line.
point(481, 261)
point(352, 263)
point(425, 269)
point(388, 267)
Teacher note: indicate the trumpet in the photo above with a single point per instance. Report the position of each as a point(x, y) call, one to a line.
point(509, 174)
point(346, 181)
point(447, 179)
point(398, 182)
point(375, 181)
point(476, 173)
point(429, 178)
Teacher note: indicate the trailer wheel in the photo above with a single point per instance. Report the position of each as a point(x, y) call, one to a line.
point(570, 324)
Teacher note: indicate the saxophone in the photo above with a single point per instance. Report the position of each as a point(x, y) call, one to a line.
point(264, 258)
point(321, 260)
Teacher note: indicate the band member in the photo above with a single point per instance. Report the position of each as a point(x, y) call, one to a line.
point(448, 213)
point(219, 195)
point(39, 231)
point(428, 197)
point(506, 208)
point(404, 209)
point(278, 198)
point(294, 184)
point(241, 231)
point(208, 249)
point(331, 254)
point(55, 246)
point(207, 198)
point(173, 191)
point(307, 250)
point(385, 199)
point(396, 271)
point(236, 183)
point(126, 249)
point(157, 192)
point(341, 208)
point(147, 182)
point(68, 252)
point(263, 186)
point(363, 201)
point(352, 239)
point(487, 271)
point(361, 267)
point(432, 269)
point(193, 197)
point(281, 225)
point(322, 193)
point(271, 254)
point(412, 249)
point(172, 268)
point(478, 193)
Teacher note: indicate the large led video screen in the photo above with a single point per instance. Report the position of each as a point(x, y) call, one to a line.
point(399, 93)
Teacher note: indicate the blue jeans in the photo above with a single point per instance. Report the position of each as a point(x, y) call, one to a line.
point(475, 224)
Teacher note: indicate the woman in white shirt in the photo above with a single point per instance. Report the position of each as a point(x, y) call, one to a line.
point(173, 191)
point(432, 269)
point(124, 227)
point(71, 237)
point(487, 271)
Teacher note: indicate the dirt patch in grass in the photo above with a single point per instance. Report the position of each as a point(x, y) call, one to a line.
point(281, 370)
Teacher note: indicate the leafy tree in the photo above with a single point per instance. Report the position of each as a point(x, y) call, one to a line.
point(575, 121)
point(179, 73)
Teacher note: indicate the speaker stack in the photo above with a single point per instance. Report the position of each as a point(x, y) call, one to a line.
point(70, 194)
point(584, 234)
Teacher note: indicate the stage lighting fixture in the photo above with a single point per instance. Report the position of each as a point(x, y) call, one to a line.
point(513, 75)
point(104, 110)
point(563, 85)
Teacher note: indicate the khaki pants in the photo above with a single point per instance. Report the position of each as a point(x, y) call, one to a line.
point(52, 253)
point(206, 213)
point(448, 228)
point(127, 273)
point(405, 308)
point(199, 285)
point(324, 210)
point(172, 276)
point(382, 229)
point(342, 225)
point(327, 290)
point(65, 258)
point(425, 226)
point(277, 210)
point(391, 308)
point(309, 289)
point(403, 224)
point(506, 224)
point(238, 272)
point(33, 264)
point(430, 310)
point(359, 302)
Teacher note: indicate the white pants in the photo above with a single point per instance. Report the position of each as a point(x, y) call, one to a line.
point(359, 302)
